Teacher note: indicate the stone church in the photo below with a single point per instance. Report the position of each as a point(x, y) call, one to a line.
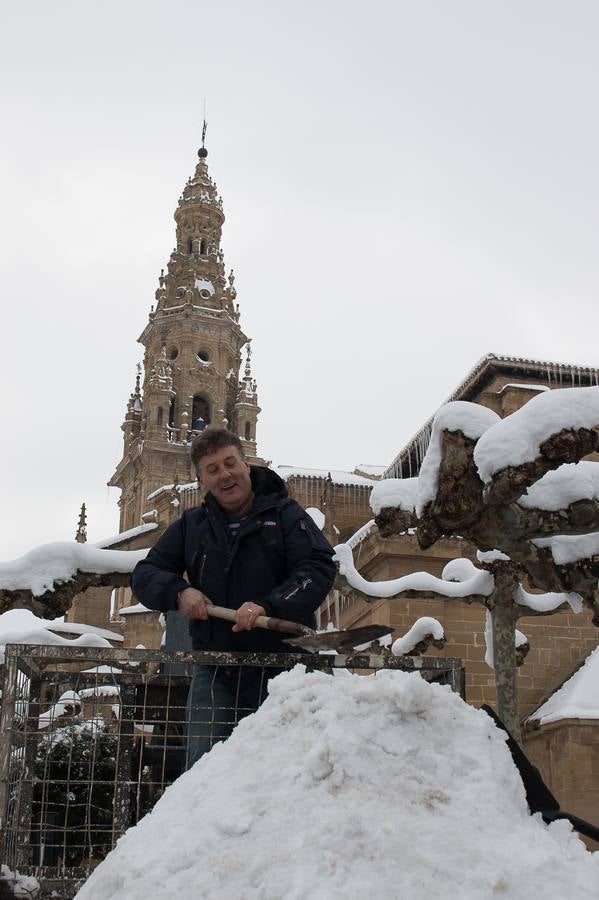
point(197, 371)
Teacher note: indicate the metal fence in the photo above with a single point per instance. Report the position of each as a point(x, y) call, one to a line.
point(90, 738)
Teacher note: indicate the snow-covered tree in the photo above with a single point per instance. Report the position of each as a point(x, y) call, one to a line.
point(519, 490)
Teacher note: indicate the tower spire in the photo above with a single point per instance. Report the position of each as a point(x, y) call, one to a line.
point(81, 536)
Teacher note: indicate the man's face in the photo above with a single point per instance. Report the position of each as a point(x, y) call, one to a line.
point(227, 476)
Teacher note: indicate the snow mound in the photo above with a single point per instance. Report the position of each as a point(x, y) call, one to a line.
point(343, 787)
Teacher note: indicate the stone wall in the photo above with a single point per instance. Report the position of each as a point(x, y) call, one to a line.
point(567, 755)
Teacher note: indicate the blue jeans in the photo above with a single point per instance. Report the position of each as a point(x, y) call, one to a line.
point(218, 698)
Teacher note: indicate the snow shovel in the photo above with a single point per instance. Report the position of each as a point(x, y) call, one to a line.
point(305, 637)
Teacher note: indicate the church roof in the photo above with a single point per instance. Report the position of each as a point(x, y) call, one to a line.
point(577, 698)
point(477, 380)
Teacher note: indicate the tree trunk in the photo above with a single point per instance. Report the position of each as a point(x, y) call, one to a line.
point(503, 618)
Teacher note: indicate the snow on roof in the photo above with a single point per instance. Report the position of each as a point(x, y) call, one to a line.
point(525, 387)
point(41, 568)
point(578, 697)
point(337, 475)
point(369, 469)
point(133, 609)
point(78, 628)
point(472, 420)
point(126, 535)
point(401, 493)
point(561, 487)
point(383, 785)
point(562, 374)
point(517, 438)
point(189, 486)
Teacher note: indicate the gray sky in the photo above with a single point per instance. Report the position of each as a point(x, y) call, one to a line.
point(407, 186)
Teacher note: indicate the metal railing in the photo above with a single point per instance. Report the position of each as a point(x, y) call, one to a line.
point(91, 737)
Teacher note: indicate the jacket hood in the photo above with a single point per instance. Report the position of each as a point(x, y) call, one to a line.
point(265, 481)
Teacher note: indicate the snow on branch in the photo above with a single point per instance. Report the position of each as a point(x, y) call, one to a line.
point(47, 578)
point(424, 632)
point(519, 438)
point(472, 420)
point(559, 488)
point(546, 603)
point(477, 585)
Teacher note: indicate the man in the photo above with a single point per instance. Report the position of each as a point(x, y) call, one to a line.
point(247, 547)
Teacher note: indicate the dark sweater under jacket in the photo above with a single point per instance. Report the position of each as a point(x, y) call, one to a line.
point(278, 559)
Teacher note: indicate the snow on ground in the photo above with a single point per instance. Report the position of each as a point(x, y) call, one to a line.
point(561, 487)
point(472, 419)
point(39, 569)
point(344, 787)
point(578, 697)
point(517, 438)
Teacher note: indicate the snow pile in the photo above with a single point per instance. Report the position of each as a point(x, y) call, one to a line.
point(347, 787)
point(578, 697)
point(40, 569)
point(517, 438)
point(399, 492)
point(472, 419)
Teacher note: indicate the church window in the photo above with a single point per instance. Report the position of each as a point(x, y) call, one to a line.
point(190, 246)
point(203, 355)
point(159, 415)
point(203, 247)
point(248, 431)
point(200, 414)
point(173, 353)
point(171, 413)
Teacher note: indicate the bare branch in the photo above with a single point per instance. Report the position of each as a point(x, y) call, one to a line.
point(55, 603)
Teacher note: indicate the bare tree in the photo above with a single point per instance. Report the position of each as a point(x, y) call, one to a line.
point(514, 488)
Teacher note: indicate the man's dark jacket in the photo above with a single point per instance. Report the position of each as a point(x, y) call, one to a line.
point(278, 560)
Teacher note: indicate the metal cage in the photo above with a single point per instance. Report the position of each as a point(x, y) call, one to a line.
point(90, 738)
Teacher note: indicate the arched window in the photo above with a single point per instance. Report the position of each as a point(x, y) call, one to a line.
point(200, 413)
point(248, 431)
point(159, 415)
point(190, 246)
point(203, 247)
point(171, 413)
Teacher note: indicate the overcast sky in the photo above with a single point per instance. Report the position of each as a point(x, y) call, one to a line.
point(407, 186)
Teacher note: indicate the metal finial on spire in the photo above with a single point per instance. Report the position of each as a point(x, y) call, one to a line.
point(81, 536)
point(202, 152)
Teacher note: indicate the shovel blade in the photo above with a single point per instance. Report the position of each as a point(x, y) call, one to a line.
point(339, 640)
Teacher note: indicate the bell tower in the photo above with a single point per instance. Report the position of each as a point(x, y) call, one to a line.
point(191, 371)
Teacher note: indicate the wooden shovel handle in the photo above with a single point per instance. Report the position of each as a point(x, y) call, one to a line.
point(267, 622)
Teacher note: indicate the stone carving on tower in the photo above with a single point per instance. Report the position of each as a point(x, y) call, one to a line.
point(193, 344)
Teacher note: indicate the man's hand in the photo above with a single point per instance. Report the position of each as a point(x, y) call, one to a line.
point(247, 615)
point(193, 603)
